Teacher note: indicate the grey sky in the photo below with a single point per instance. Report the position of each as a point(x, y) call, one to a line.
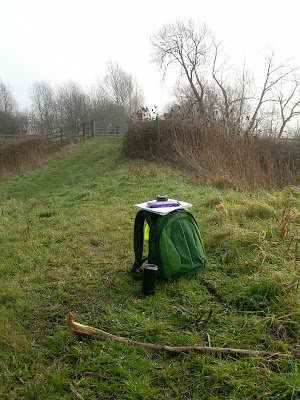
point(62, 40)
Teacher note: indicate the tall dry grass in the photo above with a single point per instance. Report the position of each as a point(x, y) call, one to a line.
point(18, 155)
point(215, 155)
point(21, 154)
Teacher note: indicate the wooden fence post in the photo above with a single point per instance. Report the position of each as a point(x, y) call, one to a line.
point(93, 128)
point(158, 137)
point(61, 137)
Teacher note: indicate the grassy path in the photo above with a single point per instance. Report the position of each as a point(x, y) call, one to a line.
point(66, 233)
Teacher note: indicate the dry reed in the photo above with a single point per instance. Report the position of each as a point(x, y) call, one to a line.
point(215, 155)
point(21, 154)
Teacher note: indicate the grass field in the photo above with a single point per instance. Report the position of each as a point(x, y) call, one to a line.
point(66, 233)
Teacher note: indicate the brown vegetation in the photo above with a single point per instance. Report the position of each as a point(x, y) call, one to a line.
point(18, 155)
point(21, 154)
point(215, 155)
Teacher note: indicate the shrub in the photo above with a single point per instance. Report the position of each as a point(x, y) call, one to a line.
point(216, 156)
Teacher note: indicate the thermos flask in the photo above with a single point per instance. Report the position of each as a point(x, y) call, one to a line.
point(149, 279)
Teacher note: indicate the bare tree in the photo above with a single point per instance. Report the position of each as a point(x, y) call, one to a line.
point(72, 106)
point(67, 106)
point(122, 89)
point(234, 88)
point(42, 108)
point(275, 75)
point(211, 88)
point(218, 73)
point(137, 98)
point(7, 101)
point(189, 46)
point(185, 99)
point(289, 103)
point(237, 101)
point(8, 110)
point(22, 121)
point(218, 89)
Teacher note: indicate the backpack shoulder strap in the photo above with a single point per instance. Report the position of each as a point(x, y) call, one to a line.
point(138, 242)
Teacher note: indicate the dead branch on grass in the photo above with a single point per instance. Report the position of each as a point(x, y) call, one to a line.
point(74, 391)
point(94, 333)
point(97, 374)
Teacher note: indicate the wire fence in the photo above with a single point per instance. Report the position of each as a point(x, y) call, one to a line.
point(19, 153)
point(111, 127)
point(85, 130)
point(64, 137)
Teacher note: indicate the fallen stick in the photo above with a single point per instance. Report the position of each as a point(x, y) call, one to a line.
point(74, 391)
point(97, 375)
point(94, 333)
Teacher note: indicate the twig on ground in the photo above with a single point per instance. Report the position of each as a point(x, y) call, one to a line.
point(199, 319)
point(208, 338)
point(95, 333)
point(209, 315)
point(74, 391)
point(295, 282)
point(183, 310)
point(97, 375)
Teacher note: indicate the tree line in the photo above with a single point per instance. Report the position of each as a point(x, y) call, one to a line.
point(208, 87)
point(116, 97)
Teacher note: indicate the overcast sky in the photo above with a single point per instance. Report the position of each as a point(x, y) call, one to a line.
point(61, 40)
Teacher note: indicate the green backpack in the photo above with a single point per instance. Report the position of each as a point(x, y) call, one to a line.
point(175, 244)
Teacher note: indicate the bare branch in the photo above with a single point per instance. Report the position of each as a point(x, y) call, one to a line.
point(95, 333)
point(274, 75)
point(188, 46)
